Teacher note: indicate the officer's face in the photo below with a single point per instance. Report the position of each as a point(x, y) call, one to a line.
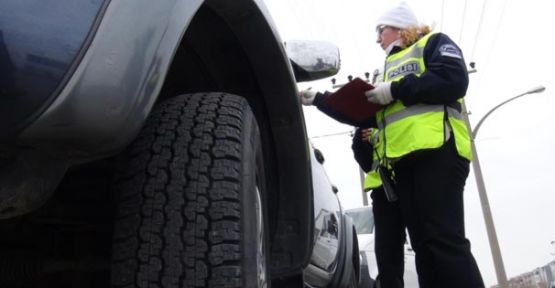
point(386, 35)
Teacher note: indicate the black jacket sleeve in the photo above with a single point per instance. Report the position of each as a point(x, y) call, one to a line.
point(445, 79)
point(362, 150)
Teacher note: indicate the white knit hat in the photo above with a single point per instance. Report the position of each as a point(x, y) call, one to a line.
point(400, 16)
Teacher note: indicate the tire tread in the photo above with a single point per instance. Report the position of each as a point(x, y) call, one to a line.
point(179, 191)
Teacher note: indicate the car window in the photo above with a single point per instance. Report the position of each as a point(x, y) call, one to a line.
point(363, 219)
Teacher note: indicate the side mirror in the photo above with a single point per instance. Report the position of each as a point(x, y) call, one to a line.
point(319, 156)
point(334, 189)
point(313, 60)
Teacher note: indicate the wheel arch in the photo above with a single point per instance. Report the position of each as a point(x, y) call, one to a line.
point(233, 47)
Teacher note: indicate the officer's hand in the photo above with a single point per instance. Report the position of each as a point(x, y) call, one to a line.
point(307, 96)
point(381, 94)
point(366, 134)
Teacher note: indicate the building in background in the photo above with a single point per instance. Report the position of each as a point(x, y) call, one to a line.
point(542, 277)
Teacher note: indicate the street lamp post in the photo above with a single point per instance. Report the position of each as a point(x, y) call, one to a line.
point(490, 227)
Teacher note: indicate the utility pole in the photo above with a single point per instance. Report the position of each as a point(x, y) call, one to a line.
point(488, 219)
point(364, 194)
point(486, 211)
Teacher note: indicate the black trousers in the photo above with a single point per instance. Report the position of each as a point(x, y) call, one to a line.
point(389, 240)
point(430, 186)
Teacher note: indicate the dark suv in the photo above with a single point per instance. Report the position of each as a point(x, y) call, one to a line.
point(161, 144)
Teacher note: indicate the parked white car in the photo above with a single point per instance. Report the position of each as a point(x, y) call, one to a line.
point(363, 219)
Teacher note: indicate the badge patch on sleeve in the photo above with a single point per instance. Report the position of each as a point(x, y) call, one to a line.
point(450, 50)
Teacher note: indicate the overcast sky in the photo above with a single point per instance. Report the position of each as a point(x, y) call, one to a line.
point(510, 42)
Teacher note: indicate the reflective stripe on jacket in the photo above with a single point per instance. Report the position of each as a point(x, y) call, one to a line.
point(405, 129)
point(372, 181)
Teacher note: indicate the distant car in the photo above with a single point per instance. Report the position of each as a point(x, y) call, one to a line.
point(364, 223)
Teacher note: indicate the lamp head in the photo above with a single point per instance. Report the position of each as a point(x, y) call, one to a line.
point(538, 89)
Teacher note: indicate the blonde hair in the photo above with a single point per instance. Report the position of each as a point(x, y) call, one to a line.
point(412, 34)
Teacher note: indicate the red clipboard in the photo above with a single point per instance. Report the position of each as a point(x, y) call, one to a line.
point(351, 102)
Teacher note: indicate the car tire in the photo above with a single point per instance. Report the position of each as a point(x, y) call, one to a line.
point(365, 280)
point(353, 281)
point(191, 209)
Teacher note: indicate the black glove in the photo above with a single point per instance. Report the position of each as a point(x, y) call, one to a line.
point(362, 150)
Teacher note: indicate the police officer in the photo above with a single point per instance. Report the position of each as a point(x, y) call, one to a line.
point(426, 144)
point(389, 232)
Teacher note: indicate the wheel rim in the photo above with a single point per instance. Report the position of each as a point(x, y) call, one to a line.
point(260, 253)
